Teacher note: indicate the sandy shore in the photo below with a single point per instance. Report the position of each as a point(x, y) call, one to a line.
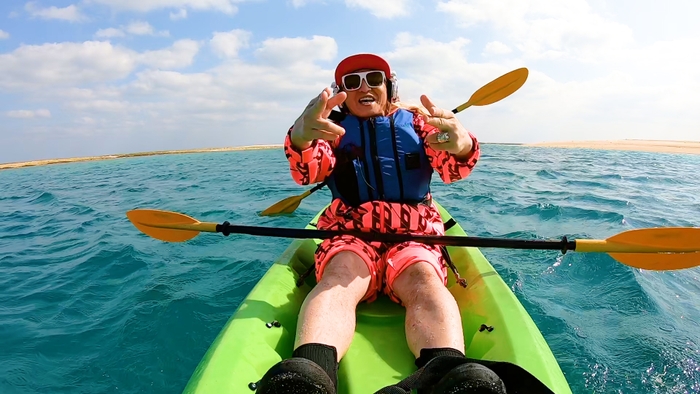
point(125, 155)
point(690, 147)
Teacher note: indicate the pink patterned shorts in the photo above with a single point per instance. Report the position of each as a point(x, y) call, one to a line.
point(384, 261)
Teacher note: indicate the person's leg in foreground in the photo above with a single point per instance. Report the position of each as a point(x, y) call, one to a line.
point(346, 273)
point(416, 277)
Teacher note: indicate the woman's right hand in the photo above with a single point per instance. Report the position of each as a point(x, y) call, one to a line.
point(314, 123)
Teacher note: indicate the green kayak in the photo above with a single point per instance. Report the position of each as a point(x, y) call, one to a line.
point(261, 332)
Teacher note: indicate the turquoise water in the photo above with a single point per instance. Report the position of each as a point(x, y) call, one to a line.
point(88, 304)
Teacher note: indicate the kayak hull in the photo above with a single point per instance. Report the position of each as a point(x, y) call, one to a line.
point(261, 332)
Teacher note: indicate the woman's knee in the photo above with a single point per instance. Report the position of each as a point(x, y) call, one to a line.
point(418, 282)
point(345, 267)
point(346, 262)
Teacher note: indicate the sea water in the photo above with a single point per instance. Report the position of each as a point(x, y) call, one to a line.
point(88, 304)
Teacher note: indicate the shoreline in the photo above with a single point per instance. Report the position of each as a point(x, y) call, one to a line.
point(658, 146)
point(34, 163)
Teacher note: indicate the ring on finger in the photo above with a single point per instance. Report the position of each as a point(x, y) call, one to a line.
point(442, 137)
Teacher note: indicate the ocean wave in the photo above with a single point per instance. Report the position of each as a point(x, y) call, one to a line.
point(42, 197)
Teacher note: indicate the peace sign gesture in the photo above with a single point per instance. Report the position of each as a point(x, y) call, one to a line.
point(314, 123)
point(452, 136)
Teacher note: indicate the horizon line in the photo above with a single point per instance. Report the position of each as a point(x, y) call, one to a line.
point(661, 146)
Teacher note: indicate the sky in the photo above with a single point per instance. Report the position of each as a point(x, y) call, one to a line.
point(95, 77)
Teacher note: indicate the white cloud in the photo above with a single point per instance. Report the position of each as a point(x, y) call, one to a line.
point(288, 51)
point(301, 3)
point(141, 28)
point(70, 13)
point(496, 48)
point(172, 81)
point(272, 82)
point(136, 28)
point(110, 32)
point(227, 44)
point(4, 35)
point(382, 8)
point(180, 14)
point(67, 64)
point(180, 54)
point(86, 120)
point(434, 63)
point(76, 65)
point(29, 114)
point(627, 98)
point(225, 6)
point(100, 105)
point(543, 29)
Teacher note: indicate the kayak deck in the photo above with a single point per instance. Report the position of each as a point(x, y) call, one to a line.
point(379, 356)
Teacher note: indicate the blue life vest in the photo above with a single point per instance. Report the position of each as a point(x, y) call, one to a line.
point(380, 158)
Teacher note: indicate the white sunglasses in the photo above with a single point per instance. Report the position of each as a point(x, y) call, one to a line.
point(353, 81)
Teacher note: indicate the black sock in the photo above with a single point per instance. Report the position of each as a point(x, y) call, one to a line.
point(427, 354)
point(323, 355)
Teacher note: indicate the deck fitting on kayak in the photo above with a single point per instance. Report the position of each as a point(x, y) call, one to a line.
point(273, 323)
point(305, 275)
point(485, 327)
point(446, 255)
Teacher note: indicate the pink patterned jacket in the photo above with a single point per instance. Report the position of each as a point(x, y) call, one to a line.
point(314, 164)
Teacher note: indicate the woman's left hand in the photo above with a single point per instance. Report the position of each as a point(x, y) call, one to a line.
point(452, 136)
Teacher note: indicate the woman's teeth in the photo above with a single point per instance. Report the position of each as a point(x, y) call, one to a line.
point(366, 100)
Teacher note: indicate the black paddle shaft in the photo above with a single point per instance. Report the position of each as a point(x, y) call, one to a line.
point(448, 240)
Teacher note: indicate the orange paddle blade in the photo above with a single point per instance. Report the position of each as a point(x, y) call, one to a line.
point(497, 90)
point(167, 226)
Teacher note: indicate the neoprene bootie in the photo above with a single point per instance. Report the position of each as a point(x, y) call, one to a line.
point(470, 378)
point(296, 375)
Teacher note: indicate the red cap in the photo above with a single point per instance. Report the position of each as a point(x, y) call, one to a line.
point(358, 62)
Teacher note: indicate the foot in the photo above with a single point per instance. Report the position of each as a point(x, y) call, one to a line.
point(296, 376)
point(470, 378)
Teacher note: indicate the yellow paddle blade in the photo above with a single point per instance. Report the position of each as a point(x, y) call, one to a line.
point(288, 205)
point(646, 240)
point(650, 248)
point(659, 261)
point(167, 226)
point(496, 90)
point(662, 238)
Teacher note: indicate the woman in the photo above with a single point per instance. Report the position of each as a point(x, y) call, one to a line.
point(377, 156)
